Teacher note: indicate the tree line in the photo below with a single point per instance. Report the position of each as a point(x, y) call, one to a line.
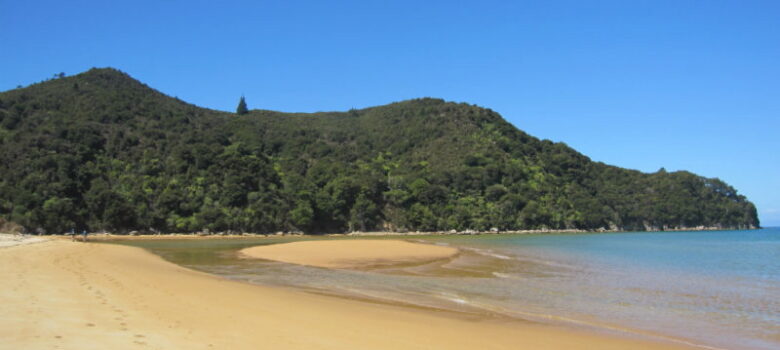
point(102, 151)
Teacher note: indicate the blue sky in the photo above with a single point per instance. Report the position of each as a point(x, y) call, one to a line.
point(691, 85)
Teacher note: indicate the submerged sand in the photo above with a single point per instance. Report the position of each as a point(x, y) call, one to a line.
point(71, 295)
point(351, 254)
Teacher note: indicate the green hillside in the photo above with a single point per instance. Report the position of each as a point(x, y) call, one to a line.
point(102, 151)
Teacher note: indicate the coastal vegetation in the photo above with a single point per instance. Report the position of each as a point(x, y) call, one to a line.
point(102, 151)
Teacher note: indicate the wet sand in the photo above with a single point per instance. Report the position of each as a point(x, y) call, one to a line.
point(350, 254)
point(72, 295)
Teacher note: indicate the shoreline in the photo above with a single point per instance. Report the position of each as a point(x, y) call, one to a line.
point(286, 252)
point(12, 240)
point(107, 236)
point(77, 295)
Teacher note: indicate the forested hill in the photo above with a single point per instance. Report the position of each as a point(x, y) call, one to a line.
point(102, 151)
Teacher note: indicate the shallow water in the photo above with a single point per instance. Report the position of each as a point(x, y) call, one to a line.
point(716, 289)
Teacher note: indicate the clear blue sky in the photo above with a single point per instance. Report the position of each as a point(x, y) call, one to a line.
point(678, 84)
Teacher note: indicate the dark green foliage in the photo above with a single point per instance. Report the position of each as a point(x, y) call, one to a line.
point(101, 151)
point(241, 109)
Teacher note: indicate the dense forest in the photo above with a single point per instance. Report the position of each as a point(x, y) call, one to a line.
point(102, 151)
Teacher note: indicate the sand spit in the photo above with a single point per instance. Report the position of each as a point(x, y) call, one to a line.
point(70, 295)
point(350, 254)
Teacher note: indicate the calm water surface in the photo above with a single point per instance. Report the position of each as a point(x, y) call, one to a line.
point(715, 289)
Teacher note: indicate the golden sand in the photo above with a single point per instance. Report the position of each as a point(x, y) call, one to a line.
point(72, 295)
point(346, 254)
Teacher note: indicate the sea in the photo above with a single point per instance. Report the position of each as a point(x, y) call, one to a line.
point(710, 289)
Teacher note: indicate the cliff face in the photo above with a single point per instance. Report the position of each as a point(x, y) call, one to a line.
point(102, 151)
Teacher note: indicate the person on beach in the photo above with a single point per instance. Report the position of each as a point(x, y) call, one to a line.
point(72, 235)
point(84, 235)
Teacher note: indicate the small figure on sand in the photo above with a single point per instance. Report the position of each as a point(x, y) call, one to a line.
point(84, 235)
point(72, 235)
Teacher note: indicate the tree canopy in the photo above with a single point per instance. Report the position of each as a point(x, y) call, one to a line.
point(102, 151)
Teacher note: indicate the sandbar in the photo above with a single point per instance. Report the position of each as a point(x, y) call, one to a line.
point(351, 254)
point(71, 295)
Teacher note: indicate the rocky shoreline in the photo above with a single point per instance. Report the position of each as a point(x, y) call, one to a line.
point(205, 235)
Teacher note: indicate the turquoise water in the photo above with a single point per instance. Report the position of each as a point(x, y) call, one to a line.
point(719, 289)
point(712, 289)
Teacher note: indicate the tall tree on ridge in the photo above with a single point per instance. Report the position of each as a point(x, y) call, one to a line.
point(242, 106)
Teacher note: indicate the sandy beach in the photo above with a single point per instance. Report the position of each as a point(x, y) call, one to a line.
point(351, 254)
point(70, 295)
point(8, 240)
